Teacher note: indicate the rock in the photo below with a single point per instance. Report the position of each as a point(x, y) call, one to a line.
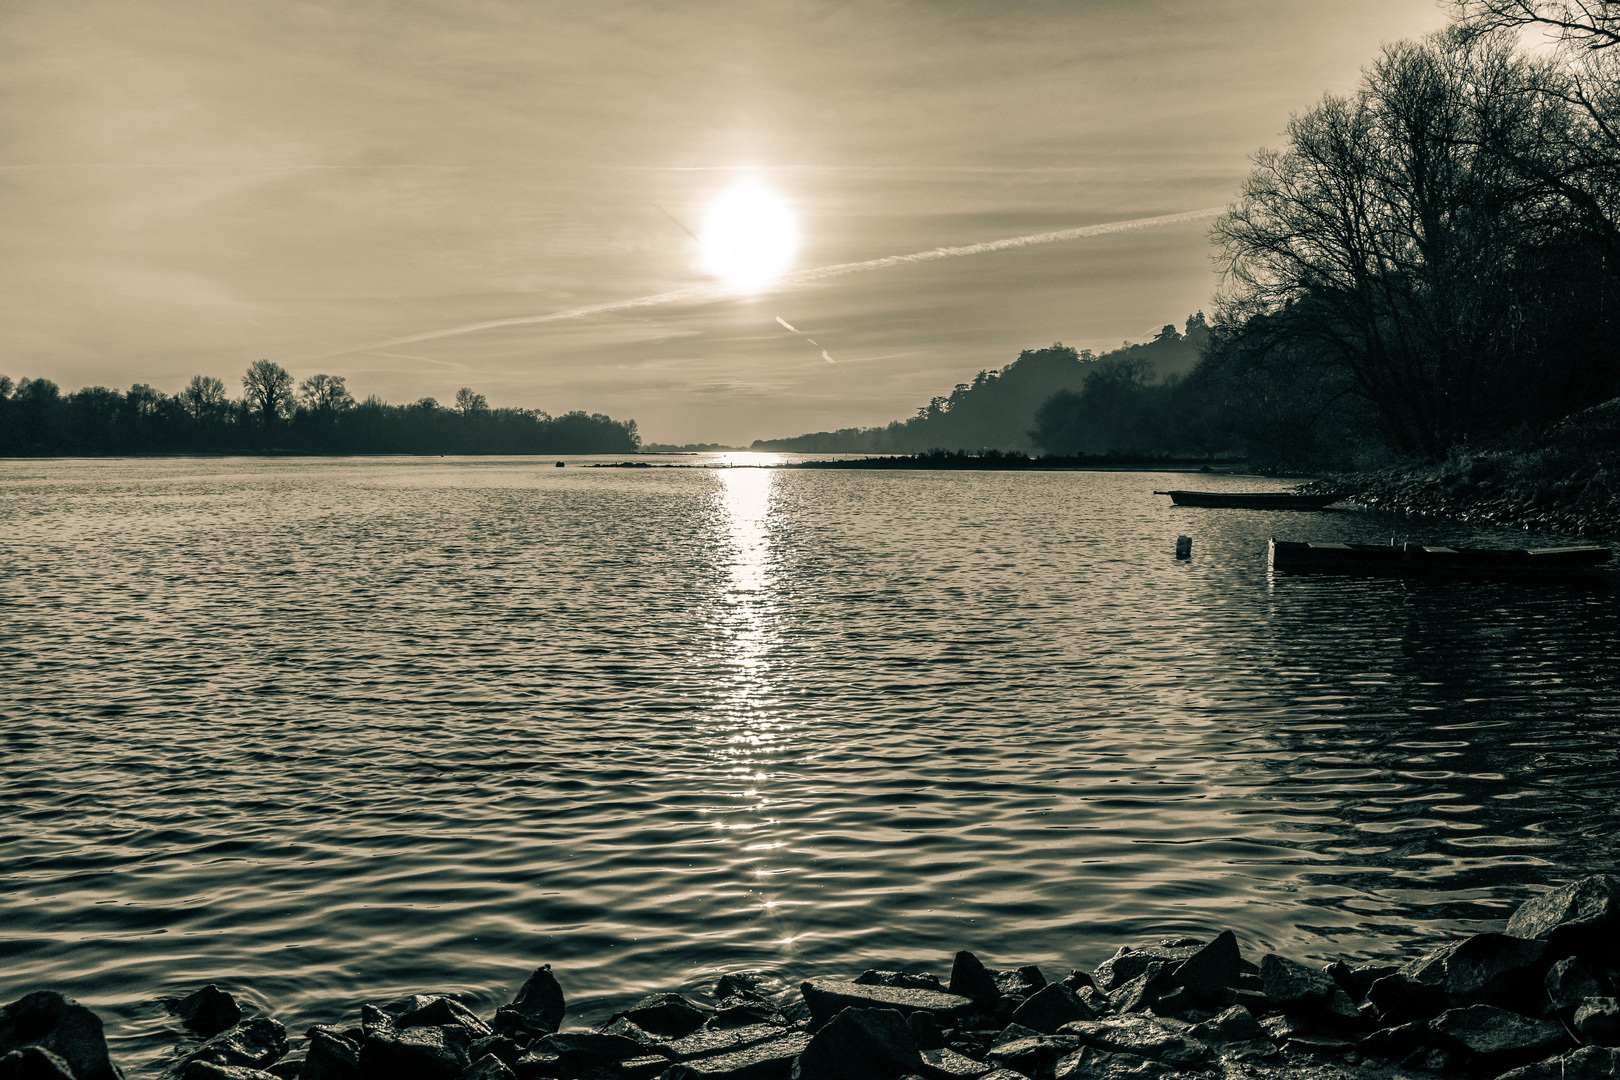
point(1401, 1000)
point(1398, 1042)
point(1034, 1056)
point(1499, 1037)
point(771, 1060)
point(1357, 980)
point(860, 1044)
point(1235, 1024)
point(1579, 919)
point(1486, 969)
point(945, 1062)
point(1128, 963)
point(1097, 1001)
point(1144, 991)
point(1293, 987)
point(1308, 1035)
point(707, 1042)
point(970, 979)
point(1570, 982)
point(1077, 980)
point(34, 1063)
point(925, 1030)
point(537, 1010)
point(1089, 1063)
point(668, 1015)
point(1051, 1007)
point(252, 1044)
point(499, 1045)
point(1598, 1019)
point(204, 1070)
point(1587, 1063)
point(580, 1050)
point(331, 1056)
point(1022, 982)
point(439, 1012)
point(488, 1067)
point(208, 1011)
point(62, 1026)
point(1141, 1036)
point(826, 998)
point(904, 980)
point(419, 1053)
point(643, 1068)
point(1209, 969)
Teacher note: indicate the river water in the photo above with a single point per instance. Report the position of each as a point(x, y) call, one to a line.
point(328, 731)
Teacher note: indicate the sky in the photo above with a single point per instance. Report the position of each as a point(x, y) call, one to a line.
point(188, 187)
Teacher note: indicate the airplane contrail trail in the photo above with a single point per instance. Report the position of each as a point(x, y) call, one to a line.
point(806, 337)
point(820, 273)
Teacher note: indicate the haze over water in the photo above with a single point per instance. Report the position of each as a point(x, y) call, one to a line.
point(328, 731)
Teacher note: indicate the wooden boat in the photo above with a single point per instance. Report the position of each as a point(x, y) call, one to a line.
point(1251, 500)
point(1293, 557)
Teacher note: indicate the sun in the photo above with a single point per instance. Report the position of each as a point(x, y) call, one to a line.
point(749, 237)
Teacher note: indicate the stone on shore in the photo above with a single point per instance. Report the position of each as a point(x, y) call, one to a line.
point(1143, 1037)
point(1293, 987)
point(1051, 1007)
point(33, 1063)
point(1486, 969)
point(62, 1026)
point(537, 1010)
point(254, 1044)
point(1399, 999)
point(1496, 1037)
point(702, 1043)
point(488, 1067)
point(440, 1012)
point(1145, 990)
point(331, 1056)
point(1033, 1056)
point(1598, 1020)
point(1235, 1024)
point(826, 998)
point(1579, 919)
point(945, 1062)
point(208, 1011)
point(771, 1060)
point(1218, 964)
point(668, 1015)
point(207, 1070)
point(1089, 1063)
point(970, 979)
point(1570, 982)
point(1587, 1063)
point(860, 1044)
point(418, 1053)
point(904, 979)
point(1129, 963)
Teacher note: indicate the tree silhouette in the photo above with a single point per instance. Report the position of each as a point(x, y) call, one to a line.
point(268, 389)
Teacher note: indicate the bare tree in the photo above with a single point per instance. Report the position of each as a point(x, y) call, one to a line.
point(325, 395)
point(204, 398)
point(1583, 24)
point(268, 390)
point(468, 403)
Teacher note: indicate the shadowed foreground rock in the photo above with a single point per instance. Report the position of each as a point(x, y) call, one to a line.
point(1535, 1003)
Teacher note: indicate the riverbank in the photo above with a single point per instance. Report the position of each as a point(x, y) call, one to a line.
point(1571, 484)
point(1533, 1003)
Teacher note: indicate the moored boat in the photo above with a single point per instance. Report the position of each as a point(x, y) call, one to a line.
point(1251, 500)
point(1296, 557)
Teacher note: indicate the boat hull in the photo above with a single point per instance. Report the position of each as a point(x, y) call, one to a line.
point(1252, 500)
point(1414, 560)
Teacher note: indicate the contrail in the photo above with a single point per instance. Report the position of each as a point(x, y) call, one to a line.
point(806, 337)
point(822, 273)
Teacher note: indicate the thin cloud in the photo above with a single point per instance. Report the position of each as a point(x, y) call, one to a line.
point(701, 293)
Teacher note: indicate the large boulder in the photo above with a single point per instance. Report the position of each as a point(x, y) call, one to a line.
point(537, 1010)
point(1293, 987)
point(1486, 969)
point(62, 1026)
point(1033, 1056)
point(826, 998)
point(771, 1060)
point(667, 1015)
point(1495, 1038)
point(439, 1011)
point(1398, 999)
point(1143, 1037)
point(331, 1056)
point(1571, 981)
point(860, 1044)
point(904, 979)
point(207, 1011)
point(1129, 963)
point(1145, 991)
point(1578, 919)
point(1235, 1024)
point(1216, 966)
point(1051, 1007)
point(253, 1044)
point(1598, 1020)
point(33, 1063)
point(418, 1053)
point(971, 979)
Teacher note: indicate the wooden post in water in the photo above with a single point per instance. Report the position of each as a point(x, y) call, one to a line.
point(1183, 547)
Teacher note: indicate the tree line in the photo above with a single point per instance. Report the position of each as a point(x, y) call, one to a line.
point(317, 416)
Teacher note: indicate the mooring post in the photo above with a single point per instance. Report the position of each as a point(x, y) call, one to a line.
point(1183, 547)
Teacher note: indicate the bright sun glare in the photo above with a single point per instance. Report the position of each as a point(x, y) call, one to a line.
point(749, 237)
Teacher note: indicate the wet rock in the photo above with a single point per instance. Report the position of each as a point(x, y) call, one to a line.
point(1293, 987)
point(1090, 1063)
point(253, 1044)
point(1021, 982)
point(419, 1053)
point(34, 1063)
point(925, 1030)
point(579, 1050)
point(946, 1062)
point(1128, 963)
point(1211, 968)
point(826, 998)
point(1097, 1001)
point(1398, 1042)
point(499, 1045)
point(1033, 1056)
point(537, 1010)
point(860, 1044)
point(1587, 1063)
point(1052, 1007)
point(1235, 1024)
point(1307, 1035)
point(707, 1042)
point(668, 1015)
point(1141, 1036)
point(1499, 1037)
point(641, 1068)
point(1402, 1000)
point(1598, 1020)
point(331, 1056)
point(1077, 980)
point(772, 1060)
point(1579, 919)
point(970, 979)
point(488, 1067)
point(208, 1011)
point(1570, 982)
point(62, 1026)
point(1486, 969)
point(903, 979)
point(1144, 991)
point(439, 1012)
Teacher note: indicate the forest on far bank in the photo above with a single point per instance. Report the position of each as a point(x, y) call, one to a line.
point(1430, 264)
point(319, 416)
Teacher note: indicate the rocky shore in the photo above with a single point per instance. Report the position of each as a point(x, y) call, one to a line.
point(1534, 1002)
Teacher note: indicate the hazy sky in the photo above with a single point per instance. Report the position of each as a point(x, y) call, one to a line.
point(186, 187)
